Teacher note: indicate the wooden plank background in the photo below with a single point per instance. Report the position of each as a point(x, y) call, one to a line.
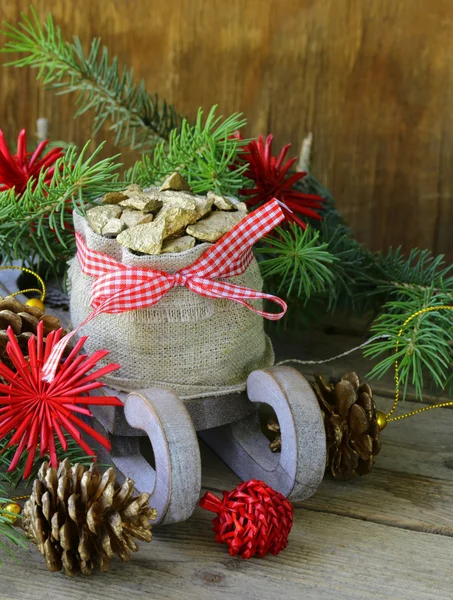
point(372, 80)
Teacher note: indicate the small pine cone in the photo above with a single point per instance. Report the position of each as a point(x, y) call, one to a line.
point(23, 320)
point(79, 518)
point(273, 427)
point(352, 432)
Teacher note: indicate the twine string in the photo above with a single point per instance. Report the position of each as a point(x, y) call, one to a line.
point(396, 376)
point(332, 358)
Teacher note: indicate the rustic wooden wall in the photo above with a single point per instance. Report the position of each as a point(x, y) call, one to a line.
point(372, 79)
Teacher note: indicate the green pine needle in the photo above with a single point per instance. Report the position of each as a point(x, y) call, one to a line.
point(136, 117)
point(297, 261)
point(12, 480)
point(9, 535)
point(37, 225)
point(204, 154)
point(424, 349)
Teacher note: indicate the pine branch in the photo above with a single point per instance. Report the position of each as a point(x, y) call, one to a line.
point(38, 223)
point(424, 348)
point(204, 153)
point(8, 533)
point(137, 118)
point(12, 480)
point(296, 262)
point(392, 272)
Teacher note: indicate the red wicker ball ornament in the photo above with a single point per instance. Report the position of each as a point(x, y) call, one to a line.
point(253, 519)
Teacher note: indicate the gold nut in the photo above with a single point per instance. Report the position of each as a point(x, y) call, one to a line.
point(12, 507)
point(381, 420)
point(36, 302)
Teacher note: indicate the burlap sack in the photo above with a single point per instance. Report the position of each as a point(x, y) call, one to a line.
point(193, 345)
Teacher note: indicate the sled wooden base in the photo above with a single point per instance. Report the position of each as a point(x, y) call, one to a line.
point(174, 481)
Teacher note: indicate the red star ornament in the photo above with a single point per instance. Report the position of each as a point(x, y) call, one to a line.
point(36, 411)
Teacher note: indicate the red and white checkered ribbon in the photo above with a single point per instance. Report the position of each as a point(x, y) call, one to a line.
point(119, 288)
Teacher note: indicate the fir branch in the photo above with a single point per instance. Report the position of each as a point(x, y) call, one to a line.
point(12, 480)
point(352, 260)
point(204, 153)
point(297, 260)
point(393, 272)
point(8, 533)
point(137, 118)
point(38, 223)
point(424, 348)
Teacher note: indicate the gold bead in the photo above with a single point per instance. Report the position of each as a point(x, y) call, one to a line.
point(381, 420)
point(12, 507)
point(35, 302)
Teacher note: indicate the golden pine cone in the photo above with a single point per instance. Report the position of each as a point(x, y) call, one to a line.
point(80, 518)
point(352, 432)
point(24, 321)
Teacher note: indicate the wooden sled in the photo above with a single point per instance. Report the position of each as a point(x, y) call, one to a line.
point(230, 426)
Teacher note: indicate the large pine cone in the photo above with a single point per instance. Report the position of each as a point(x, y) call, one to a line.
point(352, 432)
point(24, 321)
point(80, 518)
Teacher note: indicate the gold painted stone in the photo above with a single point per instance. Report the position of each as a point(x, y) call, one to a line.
point(99, 216)
point(132, 189)
point(113, 227)
point(142, 202)
point(213, 227)
point(220, 202)
point(146, 238)
point(131, 217)
point(240, 207)
point(203, 205)
point(175, 219)
point(181, 209)
point(113, 198)
point(182, 199)
point(147, 201)
point(175, 182)
point(181, 244)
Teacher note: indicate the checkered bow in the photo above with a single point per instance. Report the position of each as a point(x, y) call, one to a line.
point(118, 288)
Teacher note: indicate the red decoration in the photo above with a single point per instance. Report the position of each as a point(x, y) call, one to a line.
point(17, 169)
point(273, 180)
point(36, 410)
point(252, 519)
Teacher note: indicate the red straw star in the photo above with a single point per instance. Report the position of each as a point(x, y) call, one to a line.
point(17, 169)
point(36, 410)
point(273, 180)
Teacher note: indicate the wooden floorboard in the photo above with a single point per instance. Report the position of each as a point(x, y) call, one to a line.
point(329, 557)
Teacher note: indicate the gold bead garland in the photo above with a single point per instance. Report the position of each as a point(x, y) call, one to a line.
point(38, 302)
point(385, 418)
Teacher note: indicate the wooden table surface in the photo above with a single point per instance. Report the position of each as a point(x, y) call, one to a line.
point(388, 535)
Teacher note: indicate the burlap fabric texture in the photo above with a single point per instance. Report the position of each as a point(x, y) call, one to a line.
point(193, 345)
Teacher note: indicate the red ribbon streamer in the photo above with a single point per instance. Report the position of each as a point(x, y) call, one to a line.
point(119, 288)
